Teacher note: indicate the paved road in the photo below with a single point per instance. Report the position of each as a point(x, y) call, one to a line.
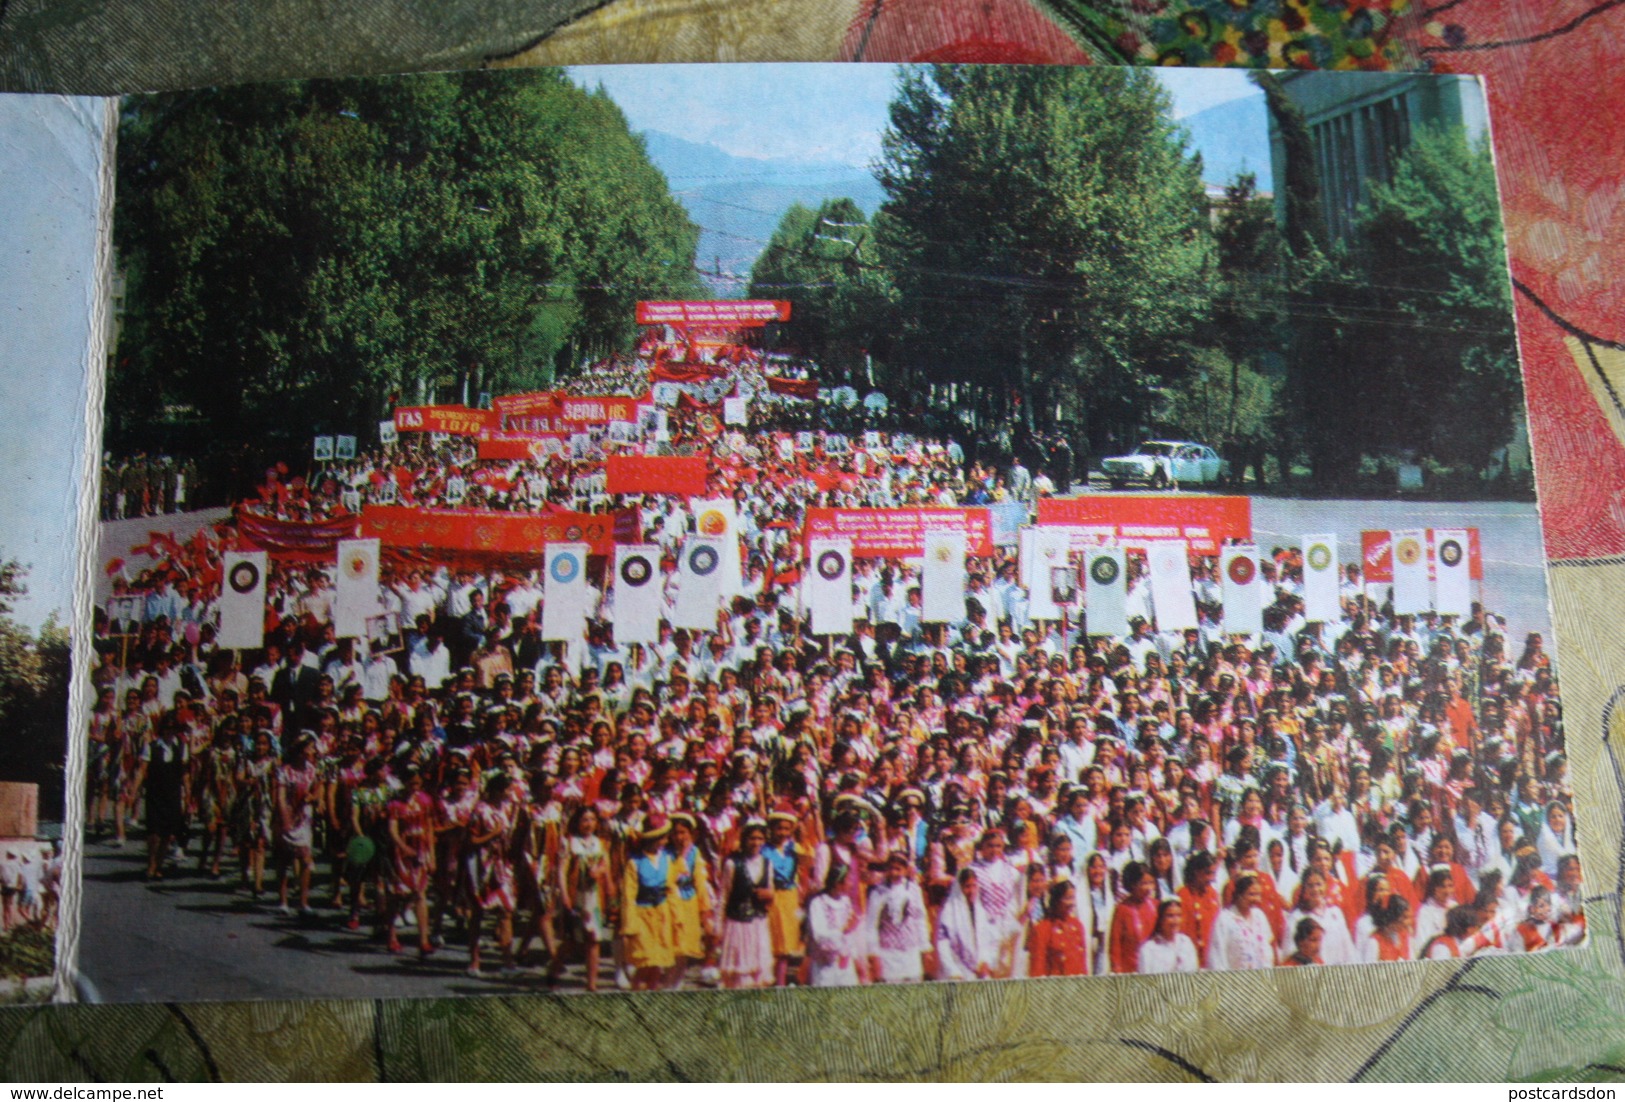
point(189, 938)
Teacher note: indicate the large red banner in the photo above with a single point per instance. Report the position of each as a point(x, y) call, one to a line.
point(726, 312)
point(547, 411)
point(452, 420)
point(794, 388)
point(665, 372)
point(1377, 553)
point(899, 533)
point(601, 410)
point(448, 530)
point(1132, 520)
point(543, 402)
point(293, 539)
point(513, 445)
point(655, 474)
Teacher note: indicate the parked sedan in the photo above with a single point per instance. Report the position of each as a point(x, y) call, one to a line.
point(1162, 463)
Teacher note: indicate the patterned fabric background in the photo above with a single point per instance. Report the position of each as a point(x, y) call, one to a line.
point(1558, 118)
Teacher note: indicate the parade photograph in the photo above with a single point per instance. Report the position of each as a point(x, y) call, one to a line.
point(675, 528)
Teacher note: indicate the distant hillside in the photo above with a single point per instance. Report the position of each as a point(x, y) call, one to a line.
point(738, 201)
point(1233, 138)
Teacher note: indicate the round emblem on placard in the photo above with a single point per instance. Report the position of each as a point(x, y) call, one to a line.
point(356, 565)
point(712, 522)
point(573, 533)
point(1320, 557)
point(943, 553)
point(1104, 570)
point(1450, 552)
point(1408, 550)
point(565, 567)
point(1242, 569)
point(703, 560)
point(635, 570)
point(245, 577)
point(831, 565)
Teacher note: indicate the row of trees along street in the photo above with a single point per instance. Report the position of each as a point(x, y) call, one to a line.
point(1046, 260)
point(302, 256)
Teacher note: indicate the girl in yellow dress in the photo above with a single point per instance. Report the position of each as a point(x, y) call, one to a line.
point(784, 914)
point(648, 929)
point(692, 902)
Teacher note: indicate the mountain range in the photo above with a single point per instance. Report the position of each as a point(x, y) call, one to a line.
point(738, 201)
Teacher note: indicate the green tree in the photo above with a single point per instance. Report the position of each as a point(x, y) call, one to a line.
point(298, 254)
point(1047, 234)
point(826, 262)
point(34, 674)
point(1437, 338)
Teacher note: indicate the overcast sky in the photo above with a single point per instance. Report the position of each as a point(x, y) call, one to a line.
point(49, 150)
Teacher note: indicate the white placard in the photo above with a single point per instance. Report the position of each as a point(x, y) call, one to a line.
point(828, 586)
point(242, 600)
point(1321, 590)
point(942, 578)
point(1452, 571)
point(637, 593)
point(565, 594)
point(1411, 593)
point(1171, 593)
point(1243, 591)
point(1105, 590)
point(699, 585)
point(355, 593)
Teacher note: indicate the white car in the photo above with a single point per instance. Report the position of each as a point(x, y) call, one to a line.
point(1163, 463)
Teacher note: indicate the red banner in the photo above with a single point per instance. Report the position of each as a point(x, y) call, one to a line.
point(601, 410)
point(452, 420)
point(452, 530)
point(536, 402)
point(293, 539)
point(1377, 548)
point(513, 445)
point(664, 372)
point(655, 474)
point(1134, 519)
point(794, 388)
point(728, 312)
point(899, 533)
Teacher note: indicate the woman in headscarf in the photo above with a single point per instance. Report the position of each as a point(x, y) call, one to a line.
point(963, 949)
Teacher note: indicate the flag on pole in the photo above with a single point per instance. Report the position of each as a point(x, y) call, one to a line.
point(355, 595)
point(1047, 548)
point(699, 585)
point(1171, 594)
point(1452, 572)
point(1321, 597)
point(1106, 591)
point(1411, 571)
point(637, 593)
point(828, 587)
point(564, 591)
point(1243, 593)
point(715, 519)
point(242, 600)
point(942, 578)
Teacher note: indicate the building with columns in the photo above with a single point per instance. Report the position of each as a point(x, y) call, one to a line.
point(1360, 123)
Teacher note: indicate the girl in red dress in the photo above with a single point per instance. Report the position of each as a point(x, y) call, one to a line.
point(410, 817)
point(1057, 945)
point(491, 883)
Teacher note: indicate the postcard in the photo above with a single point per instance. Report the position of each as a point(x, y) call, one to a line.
point(656, 528)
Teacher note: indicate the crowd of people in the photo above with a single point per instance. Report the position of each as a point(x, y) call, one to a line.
point(757, 805)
